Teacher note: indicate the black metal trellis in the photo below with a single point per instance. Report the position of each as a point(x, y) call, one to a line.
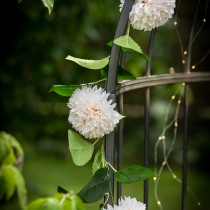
point(147, 82)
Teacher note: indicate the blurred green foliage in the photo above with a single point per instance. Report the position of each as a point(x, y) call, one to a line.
point(12, 183)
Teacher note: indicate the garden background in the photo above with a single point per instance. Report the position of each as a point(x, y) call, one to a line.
point(34, 45)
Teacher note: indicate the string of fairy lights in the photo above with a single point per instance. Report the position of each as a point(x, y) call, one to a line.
point(161, 141)
point(184, 52)
point(174, 109)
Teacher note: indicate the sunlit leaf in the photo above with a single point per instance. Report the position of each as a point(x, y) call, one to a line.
point(90, 64)
point(97, 162)
point(67, 90)
point(14, 150)
point(9, 181)
point(133, 173)
point(120, 117)
point(20, 187)
point(64, 90)
point(2, 184)
point(128, 45)
point(44, 204)
point(70, 201)
point(4, 148)
point(97, 187)
point(49, 4)
point(80, 149)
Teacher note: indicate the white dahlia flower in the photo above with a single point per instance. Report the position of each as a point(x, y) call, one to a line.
point(91, 113)
point(149, 14)
point(127, 203)
point(121, 4)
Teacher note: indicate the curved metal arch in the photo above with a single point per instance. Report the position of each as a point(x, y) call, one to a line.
point(156, 80)
point(111, 86)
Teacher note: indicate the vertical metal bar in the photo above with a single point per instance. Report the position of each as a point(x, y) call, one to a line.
point(185, 146)
point(109, 153)
point(115, 52)
point(146, 140)
point(147, 116)
point(189, 51)
point(150, 48)
point(120, 145)
point(111, 85)
point(186, 111)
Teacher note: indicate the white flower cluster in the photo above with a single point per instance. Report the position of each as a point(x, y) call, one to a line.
point(91, 113)
point(149, 14)
point(127, 203)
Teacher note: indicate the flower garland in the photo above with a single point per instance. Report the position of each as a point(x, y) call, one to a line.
point(92, 116)
point(149, 14)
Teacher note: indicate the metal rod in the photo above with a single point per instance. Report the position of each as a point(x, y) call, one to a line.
point(146, 140)
point(150, 50)
point(147, 115)
point(186, 111)
point(120, 145)
point(185, 148)
point(189, 53)
point(163, 79)
point(115, 52)
point(111, 86)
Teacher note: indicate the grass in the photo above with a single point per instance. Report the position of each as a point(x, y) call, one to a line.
point(43, 173)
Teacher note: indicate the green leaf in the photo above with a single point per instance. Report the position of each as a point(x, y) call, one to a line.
point(90, 64)
point(97, 187)
point(20, 187)
point(9, 180)
point(44, 204)
point(2, 184)
point(97, 163)
point(133, 173)
point(5, 148)
point(129, 45)
point(14, 150)
point(61, 190)
point(70, 201)
point(122, 74)
point(64, 90)
point(120, 117)
point(67, 90)
point(49, 4)
point(80, 149)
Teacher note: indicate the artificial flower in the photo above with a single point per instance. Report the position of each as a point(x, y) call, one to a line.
point(121, 4)
point(149, 14)
point(127, 203)
point(91, 113)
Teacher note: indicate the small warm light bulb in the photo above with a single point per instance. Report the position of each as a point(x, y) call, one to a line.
point(179, 101)
point(160, 138)
point(199, 203)
point(163, 163)
point(183, 84)
point(174, 176)
point(204, 20)
point(173, 97)
point(193, 67)
point(158, 203)
point(185, 52)
point(176, 124)
point(163, 137)
point(175, 23)
point(154, 178)
point(183, 61)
